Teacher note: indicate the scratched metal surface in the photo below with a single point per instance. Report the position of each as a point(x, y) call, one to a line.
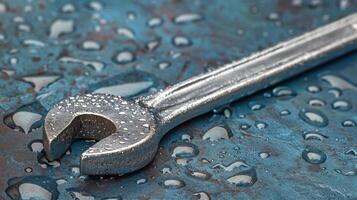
point(292, 142)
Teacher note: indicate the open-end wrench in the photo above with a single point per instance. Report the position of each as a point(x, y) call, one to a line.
point(129, 131)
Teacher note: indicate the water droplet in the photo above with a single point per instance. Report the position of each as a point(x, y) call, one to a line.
point(175, 54)
point(351, 173)
point(98, 66)
point(256, 106)
point(338, 82)
point(126, 33)
point(81, 195)
point(75, 171)
point(216, 133)
point(28, 169)
point(8, 72)
point(166, 170)
point(36, 146)
point(202, 196)
point(244, 179)
point(240, 31)
point(32, 191)
point(32, 187)
point(314, 136)
point(335, 92)
point(68, 8)
point(40, 81)
point(285, 112)
point(25, 120)
point(185, 150)
point(24, 27)
point(154, 22)
point(313, 88)
point(326, 17)
point(341, 105)
point(348, 123)
point(61, 181)
point(227, 113)
point(60, 27)
point(283, 93)
point(131, 15)
point(244, 126)
point(152, 45)
point(124, 57)
point(181, 41)
point(297, 2)
point(205, 161)
point(90, 45)
point(3, 8)
point(44, 163)
point(35, 43)
point(14, 61)
point(186, 137)
point(314, 3)
point(267, 94)
point(200, 175)
point(141, 181)
point(163, 65)
point(313, 155)
point(264, 155)
point(96, 5)
point(18, 19)
point(344, 4)
point(273, 16)
point(261, 125)
point(232, 166)
point(173, 183)
point(313, 117)
point(187, 17)
point(316, 102)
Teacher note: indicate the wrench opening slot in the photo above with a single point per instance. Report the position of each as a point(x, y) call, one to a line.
point(83, 126)
point(92, 126)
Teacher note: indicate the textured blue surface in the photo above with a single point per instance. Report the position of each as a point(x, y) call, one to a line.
point(267, 143)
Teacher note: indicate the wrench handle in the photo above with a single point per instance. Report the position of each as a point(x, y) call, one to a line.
point(238, 79)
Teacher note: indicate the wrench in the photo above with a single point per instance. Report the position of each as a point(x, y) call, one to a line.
point(129, 131)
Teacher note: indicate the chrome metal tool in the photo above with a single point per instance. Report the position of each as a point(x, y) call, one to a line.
point(129, 131)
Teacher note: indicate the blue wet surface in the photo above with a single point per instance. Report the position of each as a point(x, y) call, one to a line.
point(281, 153)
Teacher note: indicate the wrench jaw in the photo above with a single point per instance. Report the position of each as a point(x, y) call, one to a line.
point(122, 159)
point(56, 137)
point(55, 147)
point(80, 126)
point(126, 133)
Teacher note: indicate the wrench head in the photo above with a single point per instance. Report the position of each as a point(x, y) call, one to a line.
point(126, 133)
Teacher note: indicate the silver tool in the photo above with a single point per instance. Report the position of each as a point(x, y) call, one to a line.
point(129, 131)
